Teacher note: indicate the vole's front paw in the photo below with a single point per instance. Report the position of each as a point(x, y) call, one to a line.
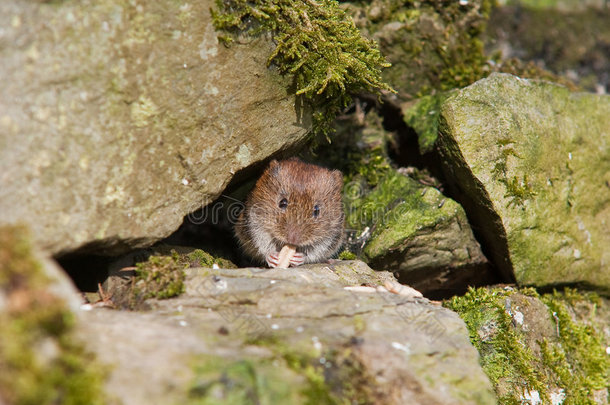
point(273, 259)
point(297, 259)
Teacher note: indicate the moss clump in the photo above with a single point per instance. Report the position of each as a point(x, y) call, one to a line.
point(159, 277)
point(571, 363)
point(580, 362)
point(518, 188)
point(503, 355)
point(347, 255)
point(316, 43)
point(31, 318)
point(200, 258)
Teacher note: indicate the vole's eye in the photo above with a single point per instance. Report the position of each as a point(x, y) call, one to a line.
point(283, 203)
point(316, 211)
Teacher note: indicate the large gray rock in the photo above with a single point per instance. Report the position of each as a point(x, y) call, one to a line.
point(118, 119)
point(530, 162)
point(289, 336)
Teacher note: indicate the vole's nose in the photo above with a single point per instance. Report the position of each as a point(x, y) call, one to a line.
point(293, 235)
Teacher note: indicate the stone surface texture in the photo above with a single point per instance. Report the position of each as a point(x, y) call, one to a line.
point(117, 119)
point(530, 163)
point(297, 328)
point(423, 236)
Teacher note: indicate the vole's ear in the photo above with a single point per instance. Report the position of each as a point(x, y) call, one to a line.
point(274, 167)
point(337, 179)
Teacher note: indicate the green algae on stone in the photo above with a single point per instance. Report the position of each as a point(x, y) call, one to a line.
point(32, 318)
point(535, 345)
point(316, 43)
point(240, 382)
point(529, 162)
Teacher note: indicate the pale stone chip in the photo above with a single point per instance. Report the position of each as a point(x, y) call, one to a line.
point(285, 255)
point(404, 290)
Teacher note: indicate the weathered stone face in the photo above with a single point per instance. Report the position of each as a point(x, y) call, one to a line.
point(421, 235)
point(303, 336)
point(117, 120)
point(531, 164)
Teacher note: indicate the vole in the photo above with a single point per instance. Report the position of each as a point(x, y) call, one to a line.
point(293, 204)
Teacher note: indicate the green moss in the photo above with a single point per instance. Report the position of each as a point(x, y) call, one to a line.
point(159, 277)
point(580, 361)
point(423, 117)
point(200, 258)
point(31, 318)
point(395, 210)
point(504, 357)
point(316, 43)
point(433, 46)
point(347, 255)
point(573, 360)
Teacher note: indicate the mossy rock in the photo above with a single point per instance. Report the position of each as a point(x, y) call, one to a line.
point(551, 347)
point(41, 361)
point(317, 45)
point(576, 47)
point(396, 219)
point(529, 162)
point(418, 233)
point(432, 46)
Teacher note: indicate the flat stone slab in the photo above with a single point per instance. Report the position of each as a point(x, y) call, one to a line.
point(322, 339)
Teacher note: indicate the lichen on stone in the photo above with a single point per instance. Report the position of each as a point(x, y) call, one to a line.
point(316, 43)
point(40, 360)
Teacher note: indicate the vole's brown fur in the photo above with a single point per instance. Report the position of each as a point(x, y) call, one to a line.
point(293, 203)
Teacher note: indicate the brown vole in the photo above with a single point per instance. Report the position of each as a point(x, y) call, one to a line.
point(293, 204)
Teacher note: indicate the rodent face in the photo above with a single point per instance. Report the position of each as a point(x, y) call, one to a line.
point(298, 204)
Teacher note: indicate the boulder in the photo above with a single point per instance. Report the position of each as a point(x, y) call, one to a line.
point(118, 119)
point(419, 234)
point(325, 333)
point(530, 163)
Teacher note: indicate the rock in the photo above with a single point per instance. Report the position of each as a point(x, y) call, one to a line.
point(119, 119)
point(529, 162)
point(553, 347)
point(41, 361)
point(421, 235)
point(431, 46)
point(289, 336)
point(575, 48)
